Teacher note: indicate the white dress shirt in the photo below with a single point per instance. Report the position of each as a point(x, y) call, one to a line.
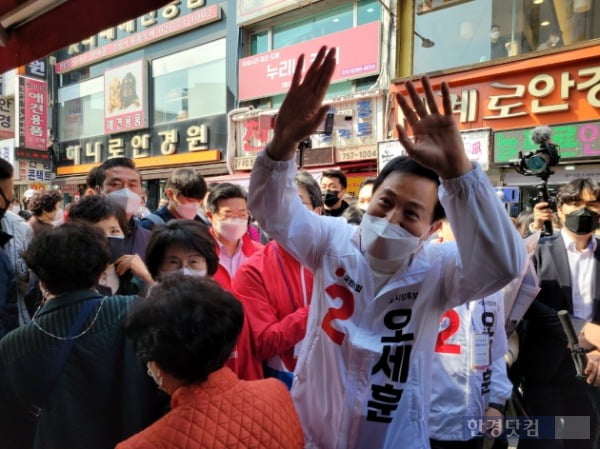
point(581, 267)
point(231, 263)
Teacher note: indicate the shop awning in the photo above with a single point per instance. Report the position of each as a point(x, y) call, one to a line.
point(32, 29)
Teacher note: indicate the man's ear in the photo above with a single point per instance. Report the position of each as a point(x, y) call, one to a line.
point(434, 228)
point(209, 215)
point(169, 194)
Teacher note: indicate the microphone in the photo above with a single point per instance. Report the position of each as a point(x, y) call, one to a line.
point(577, 352)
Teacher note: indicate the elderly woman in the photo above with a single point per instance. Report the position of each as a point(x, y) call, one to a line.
point(185, 332)
point(69, 379)
point(44, 207)
point(186, 247)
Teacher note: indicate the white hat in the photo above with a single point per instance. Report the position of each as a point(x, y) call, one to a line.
point(29, 193)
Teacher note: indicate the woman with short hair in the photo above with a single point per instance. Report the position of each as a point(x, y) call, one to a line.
point(185, 331)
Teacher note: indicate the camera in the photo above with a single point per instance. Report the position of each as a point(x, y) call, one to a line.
point(539, 163)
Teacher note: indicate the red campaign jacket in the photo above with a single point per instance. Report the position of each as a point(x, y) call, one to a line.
point(224, 413)
point(242, 361)
point(269, 284)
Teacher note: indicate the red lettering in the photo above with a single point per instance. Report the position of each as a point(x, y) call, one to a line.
point(448, 348)
point(343, 312)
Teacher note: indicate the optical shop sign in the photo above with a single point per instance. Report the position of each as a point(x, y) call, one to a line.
point(270, 73)
point(576, 141)
point(517, 95)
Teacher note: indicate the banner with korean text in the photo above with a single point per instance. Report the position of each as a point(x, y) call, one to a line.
point(125, 99)
point(33, 114)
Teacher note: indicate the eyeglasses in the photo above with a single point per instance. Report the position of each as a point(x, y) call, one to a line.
point(229, 215)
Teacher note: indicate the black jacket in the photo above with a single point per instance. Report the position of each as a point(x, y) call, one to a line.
point(103, 394)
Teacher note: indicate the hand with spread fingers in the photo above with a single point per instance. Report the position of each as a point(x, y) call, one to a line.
point(302, 109)
point(437, 143)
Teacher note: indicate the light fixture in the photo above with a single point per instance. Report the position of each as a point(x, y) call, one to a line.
point(538, 2)
point(569, 167)
point(370, 9)
point(426, 43)
point(335, 20)
point(545, 23)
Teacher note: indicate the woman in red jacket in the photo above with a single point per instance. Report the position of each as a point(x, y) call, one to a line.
point(184, 332)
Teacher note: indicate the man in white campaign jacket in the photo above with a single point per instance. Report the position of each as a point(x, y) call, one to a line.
point(363, 375)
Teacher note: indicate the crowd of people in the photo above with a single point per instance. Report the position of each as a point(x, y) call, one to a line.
point(290, 317)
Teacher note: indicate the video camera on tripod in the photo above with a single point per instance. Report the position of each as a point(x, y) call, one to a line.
point(539, 163)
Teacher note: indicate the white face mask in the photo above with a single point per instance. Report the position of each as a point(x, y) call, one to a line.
point(58, 218)
point(495, 34)
point(187, 211)
point(128, 200)
point(232, 229)
point(190, 272)
point(387, 246)
point(155, 377)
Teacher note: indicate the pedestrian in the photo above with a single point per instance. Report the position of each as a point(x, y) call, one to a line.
point(184, 332)
point(363, 375)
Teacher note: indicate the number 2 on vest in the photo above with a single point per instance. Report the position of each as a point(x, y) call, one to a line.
point(343, 312)
point(441, 346)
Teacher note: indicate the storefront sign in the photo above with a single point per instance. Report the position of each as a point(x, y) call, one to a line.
point(125, 100)
point(33, 107)
point(35, 69)
point(561, 176)
point(177, 143)
point(24, 153)
point(7, 150)
point(35, 171)
point(125, 38)
point(477, 146)
point(576, 141)
point(551, 89)
point(314, 157)
point(355, 154)
point(7, 117)
point(244, 163)
point(271, 73)
point(388, 150)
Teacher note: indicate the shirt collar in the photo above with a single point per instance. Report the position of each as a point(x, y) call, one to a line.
point(66, 299)
point(570, 243)
point(222, 247)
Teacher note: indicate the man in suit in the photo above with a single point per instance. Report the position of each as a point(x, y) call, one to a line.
point(569, 274)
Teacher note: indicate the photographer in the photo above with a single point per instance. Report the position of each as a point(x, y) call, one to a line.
point(567, 266)
point(542, 212)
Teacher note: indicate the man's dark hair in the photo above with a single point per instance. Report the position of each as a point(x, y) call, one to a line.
point(571, 192)
point(304, 179)
point(187, 234)
point(186, 182)
point(336, 174)
point(112, 163)
point(223, 191)
point(95, 208)
point(187, 325)
point(44, 202)
point(6, 170)
point(91, 179)
point(367, 181)
point(353, 215)
point(405, 164)
point(69, 257)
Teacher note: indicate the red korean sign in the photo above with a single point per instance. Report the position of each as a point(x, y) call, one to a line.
point(33, 114)
point(271, 73)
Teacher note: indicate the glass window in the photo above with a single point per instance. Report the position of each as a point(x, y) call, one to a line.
point(466, 32)
point(190, 84)
point(259, 42)
point(81, 110)
point(328, 22)
point(368, 11)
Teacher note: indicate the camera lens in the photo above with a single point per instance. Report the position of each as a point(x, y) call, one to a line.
point(537, 163)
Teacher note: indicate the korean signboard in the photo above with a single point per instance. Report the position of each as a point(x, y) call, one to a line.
point(551, 89)
point(7, 117)
point(35, 69)
point(125, 101)
point(33, 171)
point(33, 110)
point(176, 17)
point(7, 150)
point(192, 141)
point(271, 73)
point(576, 141)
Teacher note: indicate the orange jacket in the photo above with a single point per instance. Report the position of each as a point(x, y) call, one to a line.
point(225, 413)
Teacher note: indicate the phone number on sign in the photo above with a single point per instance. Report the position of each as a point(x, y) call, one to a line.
point(356, 154)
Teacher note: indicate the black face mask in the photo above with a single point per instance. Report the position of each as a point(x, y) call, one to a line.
point(330, 197)
point(582, 221)
point(6, 204)
point(117, 245)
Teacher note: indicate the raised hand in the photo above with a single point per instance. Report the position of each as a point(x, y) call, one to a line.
point(302, 109)
point(437, 142)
